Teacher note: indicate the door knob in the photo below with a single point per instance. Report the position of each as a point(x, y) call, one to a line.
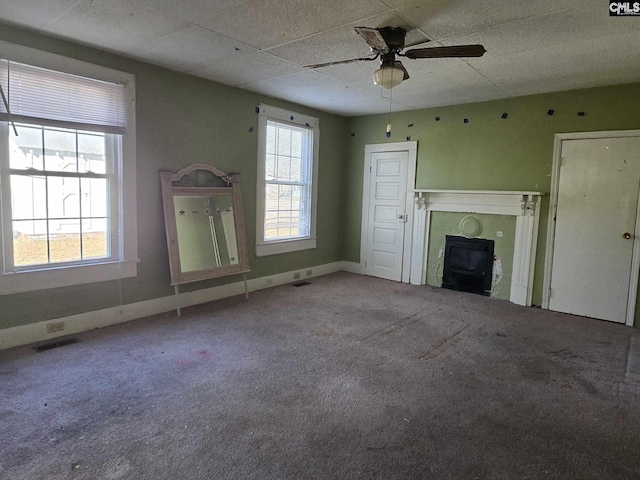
point(626, 235)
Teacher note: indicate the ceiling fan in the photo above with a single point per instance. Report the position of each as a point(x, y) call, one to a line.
point(388, 42)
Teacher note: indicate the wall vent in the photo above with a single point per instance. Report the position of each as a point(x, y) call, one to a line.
point(59, 343)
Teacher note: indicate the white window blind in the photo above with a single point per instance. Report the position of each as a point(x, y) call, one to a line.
point(46, 97)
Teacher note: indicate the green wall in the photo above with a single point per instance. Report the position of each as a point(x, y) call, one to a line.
point(183, 119)
point(488, 152)
point(448, 223)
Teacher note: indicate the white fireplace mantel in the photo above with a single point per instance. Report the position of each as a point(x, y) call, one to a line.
point(525, 206)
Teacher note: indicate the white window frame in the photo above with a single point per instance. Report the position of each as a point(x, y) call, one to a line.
point(124, 261)
point(274, 247)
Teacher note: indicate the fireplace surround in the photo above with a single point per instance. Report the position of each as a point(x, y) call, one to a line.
point(525, 206)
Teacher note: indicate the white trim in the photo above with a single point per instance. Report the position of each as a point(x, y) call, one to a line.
point(422, 227)
point(525, 206)
point(36, 332)
point(52, 61)
point(66, 276)
point(635, 271)
point(412, 149)
point(123, 264)
point(352, 267)
point(553, 206)
point(267, 112)
point(551, 230)
point(285, 246)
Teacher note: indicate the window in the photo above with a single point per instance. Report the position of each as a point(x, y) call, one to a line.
point(67, 172)
point(287, 181)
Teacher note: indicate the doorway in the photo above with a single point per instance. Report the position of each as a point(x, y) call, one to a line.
point(387, 220)
point(592, 261)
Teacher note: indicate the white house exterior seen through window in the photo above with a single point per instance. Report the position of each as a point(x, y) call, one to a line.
point(67, 171)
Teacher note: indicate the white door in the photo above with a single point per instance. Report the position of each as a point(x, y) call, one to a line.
point(595, 225)
point(386, 214)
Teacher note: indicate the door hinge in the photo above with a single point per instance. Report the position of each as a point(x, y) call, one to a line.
point(370, 169)
point(550, 292)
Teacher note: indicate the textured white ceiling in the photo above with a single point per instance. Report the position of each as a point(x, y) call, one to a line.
point(533, 46)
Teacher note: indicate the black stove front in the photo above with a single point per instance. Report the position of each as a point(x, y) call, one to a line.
point(468, 264)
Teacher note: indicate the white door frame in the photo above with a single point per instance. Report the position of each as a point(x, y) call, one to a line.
point(553, 206)
point(412, 148)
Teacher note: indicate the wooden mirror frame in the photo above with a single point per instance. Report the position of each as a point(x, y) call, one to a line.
point(170, 190)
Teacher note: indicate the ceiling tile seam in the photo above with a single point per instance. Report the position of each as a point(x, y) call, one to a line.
point(186, 23)
point(102, 47)
point(388, 97)
point(200, 66)
point(500, 87)
point(253, 49)
point(563, 43)
point(480, 30)
point(387, 4)
point(240, 85)
point(82, 43)
point(315, 34)
point(430, 38)
point(264, 80)
point(349, 84)
point(346, 85)
point(413, 26)
point(362, 90)
point(66, 10)
point(108, 50)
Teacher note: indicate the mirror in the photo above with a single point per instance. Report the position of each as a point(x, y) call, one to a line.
point(204, 223)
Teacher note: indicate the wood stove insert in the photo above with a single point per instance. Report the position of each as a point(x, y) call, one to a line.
point(468, 264)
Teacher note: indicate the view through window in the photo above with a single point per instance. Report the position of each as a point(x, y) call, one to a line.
point(288, 168)
point(60, 182)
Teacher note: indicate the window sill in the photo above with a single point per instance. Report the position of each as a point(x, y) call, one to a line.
point(285, 246)
point(64, 277)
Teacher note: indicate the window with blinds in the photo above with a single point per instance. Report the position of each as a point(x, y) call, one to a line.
point(287, 186)
point(60, 168)
point(288, 171)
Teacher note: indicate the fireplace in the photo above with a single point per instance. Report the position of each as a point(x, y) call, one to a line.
point(468, 264)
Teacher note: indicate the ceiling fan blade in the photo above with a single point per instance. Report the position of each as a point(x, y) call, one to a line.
point(373, 37)
point(401, 67)
point(446, 52)
point(340, 62)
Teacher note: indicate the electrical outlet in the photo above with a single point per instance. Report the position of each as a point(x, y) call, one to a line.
point(55, 327)
point(296, 275)
point(309, 273)
point(269, 282)
point(499, 234)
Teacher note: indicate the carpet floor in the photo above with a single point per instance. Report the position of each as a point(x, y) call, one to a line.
point(349, 377)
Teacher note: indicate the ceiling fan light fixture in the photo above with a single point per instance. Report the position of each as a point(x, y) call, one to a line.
point(388, 76)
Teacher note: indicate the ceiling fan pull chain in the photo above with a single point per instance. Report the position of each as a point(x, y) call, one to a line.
point(389, 124)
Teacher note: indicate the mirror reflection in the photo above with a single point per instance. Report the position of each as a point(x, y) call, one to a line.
point(206, 232)
point(204, 223)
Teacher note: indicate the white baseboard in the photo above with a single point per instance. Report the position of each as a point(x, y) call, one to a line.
point(37, 332)
point(352, 267)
